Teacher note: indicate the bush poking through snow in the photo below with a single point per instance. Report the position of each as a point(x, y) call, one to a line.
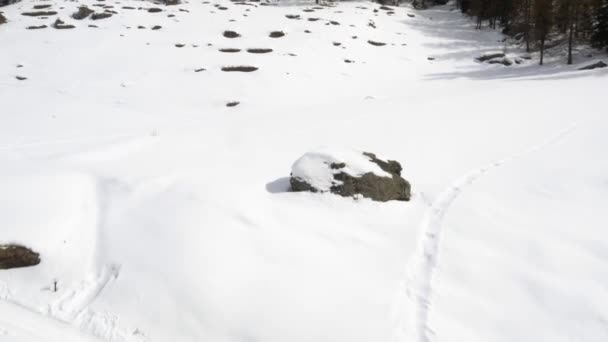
point(15, 256)
point(350, 173)
point(2, 19)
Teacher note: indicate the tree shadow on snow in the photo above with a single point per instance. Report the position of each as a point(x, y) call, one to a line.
point(458, 39)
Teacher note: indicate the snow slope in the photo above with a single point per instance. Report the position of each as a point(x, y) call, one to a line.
point(161, 214)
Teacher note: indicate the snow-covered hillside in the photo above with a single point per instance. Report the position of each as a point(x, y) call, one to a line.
point(161, 214)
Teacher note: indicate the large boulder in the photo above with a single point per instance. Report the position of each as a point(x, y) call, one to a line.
point(14, 256)
point(350, 173)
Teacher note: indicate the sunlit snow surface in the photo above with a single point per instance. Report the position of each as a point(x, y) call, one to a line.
point(163, 215)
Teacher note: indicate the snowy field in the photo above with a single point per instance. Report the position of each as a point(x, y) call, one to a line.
point(161, 214)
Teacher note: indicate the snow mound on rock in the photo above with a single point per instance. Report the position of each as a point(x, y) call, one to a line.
point(315, 167)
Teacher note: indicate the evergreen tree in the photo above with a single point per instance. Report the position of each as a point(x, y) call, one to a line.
point(599, 38)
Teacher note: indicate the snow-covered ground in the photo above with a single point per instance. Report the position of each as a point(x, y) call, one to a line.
point(162, 215)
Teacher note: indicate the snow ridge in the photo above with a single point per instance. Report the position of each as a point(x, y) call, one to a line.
point(421, 271)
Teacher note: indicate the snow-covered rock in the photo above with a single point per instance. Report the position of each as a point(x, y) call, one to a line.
point(349, 173)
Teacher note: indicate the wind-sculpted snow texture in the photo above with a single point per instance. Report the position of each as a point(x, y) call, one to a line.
point(160, 213)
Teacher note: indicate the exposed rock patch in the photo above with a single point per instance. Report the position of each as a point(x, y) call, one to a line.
point(39, 13)
point(239, 68)
point(83, 12)
point(597, 65)
point(374, 43)
point(231, 34)
point(99, 16)
point(256, 50)
point(15, 256)
point(60, 25)
point(39, 27)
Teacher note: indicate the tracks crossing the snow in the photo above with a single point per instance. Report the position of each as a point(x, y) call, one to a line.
point(421, 270)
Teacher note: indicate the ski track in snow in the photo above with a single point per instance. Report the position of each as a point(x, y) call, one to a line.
point(76, 300)
point(421, 271)
point(72, 309)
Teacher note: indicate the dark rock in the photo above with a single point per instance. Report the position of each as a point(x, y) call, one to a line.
point(180, 45)
point(276, 34)
point(2, 19)
point(231, 34)
point(256, 50)
point(232, 104)
point(240, 68)
point(337, 43)
point(490, 56)
point(292, 16)
point(39, 7)
point(39, 13)
point(36, 27)
point(83, 12)
point(374, 43)
point(154, 10)
point(504, 61)
point(21, 78)
point(156, 27)
point(368, 185)
point(99, 16)
point(60, 25)
point(230, 50)
point(199, 69)
point(15, 256)
point(597, 65)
